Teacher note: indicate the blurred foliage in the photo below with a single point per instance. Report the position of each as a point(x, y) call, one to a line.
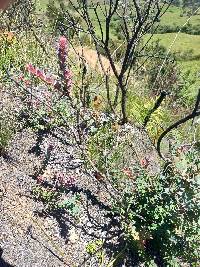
point(56, 13)
point(18, 16)
point(6, 131)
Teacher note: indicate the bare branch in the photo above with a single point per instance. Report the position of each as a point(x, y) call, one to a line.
point(192, 115)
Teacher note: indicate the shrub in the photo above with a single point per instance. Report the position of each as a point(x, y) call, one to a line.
point(18, 16)
point(160, 214)
point(169, 75)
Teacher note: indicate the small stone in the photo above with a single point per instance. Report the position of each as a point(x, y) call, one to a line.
point(73, 236)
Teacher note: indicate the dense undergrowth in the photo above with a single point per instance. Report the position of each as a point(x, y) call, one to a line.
point(156, 208)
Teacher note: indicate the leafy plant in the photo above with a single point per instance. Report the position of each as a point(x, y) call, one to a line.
point(8, 127)
point(93, 247)
point(6, 134)
point(160, 214)
point(57, 200)
point(71, 205)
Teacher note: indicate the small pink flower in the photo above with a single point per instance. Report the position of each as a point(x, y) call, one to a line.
point(128, 172)
point(31, 68)
point(68, 74)
point(57, 85)
point(40, 179)
point(21, 77)
point(64, 180)
point(27, 82)
point(63, 43)
point(49, 80)
point(40, 74)
point(68, 79)
point(144, 162)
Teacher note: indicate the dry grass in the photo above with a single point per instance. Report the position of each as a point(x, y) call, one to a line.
point(92, 60)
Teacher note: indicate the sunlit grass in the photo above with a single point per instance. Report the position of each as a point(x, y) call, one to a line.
point(174, 16)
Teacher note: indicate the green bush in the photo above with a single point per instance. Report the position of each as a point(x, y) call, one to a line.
point(160, 214)
point(188, 28)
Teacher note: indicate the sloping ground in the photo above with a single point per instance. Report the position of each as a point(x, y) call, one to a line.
point(30, 240)
point(17, 210)
point(184, 43)
point(31, 237)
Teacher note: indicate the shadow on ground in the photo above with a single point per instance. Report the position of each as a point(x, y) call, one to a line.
point(3, 263)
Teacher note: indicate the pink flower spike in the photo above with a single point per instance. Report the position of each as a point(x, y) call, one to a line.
point(62, 50)
point(63, 44)
point(40, 74)
point(31, 68)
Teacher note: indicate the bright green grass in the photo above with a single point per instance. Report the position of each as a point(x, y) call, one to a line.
point(173, 17)
point(184, 42)
point(193, 77)
point(41, 5)
point(192, 65)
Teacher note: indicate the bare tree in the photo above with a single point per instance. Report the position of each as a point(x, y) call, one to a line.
point(135, 19)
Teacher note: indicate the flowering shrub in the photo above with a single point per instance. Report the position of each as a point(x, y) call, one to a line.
point(52, 97)
point(160, 214)
point(65, 73)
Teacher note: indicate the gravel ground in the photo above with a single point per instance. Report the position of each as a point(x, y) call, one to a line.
point(26, 238)
point(31, 240)
point(29, 236)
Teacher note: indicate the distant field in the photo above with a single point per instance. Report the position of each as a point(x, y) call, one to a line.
point(184, 43)
point(173, 17)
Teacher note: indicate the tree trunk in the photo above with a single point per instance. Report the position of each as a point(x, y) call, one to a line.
point(123, 105)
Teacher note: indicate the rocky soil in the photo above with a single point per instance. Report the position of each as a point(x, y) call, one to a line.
point(32, 237)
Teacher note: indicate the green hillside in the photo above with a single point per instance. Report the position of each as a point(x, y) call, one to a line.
point(175, 16)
